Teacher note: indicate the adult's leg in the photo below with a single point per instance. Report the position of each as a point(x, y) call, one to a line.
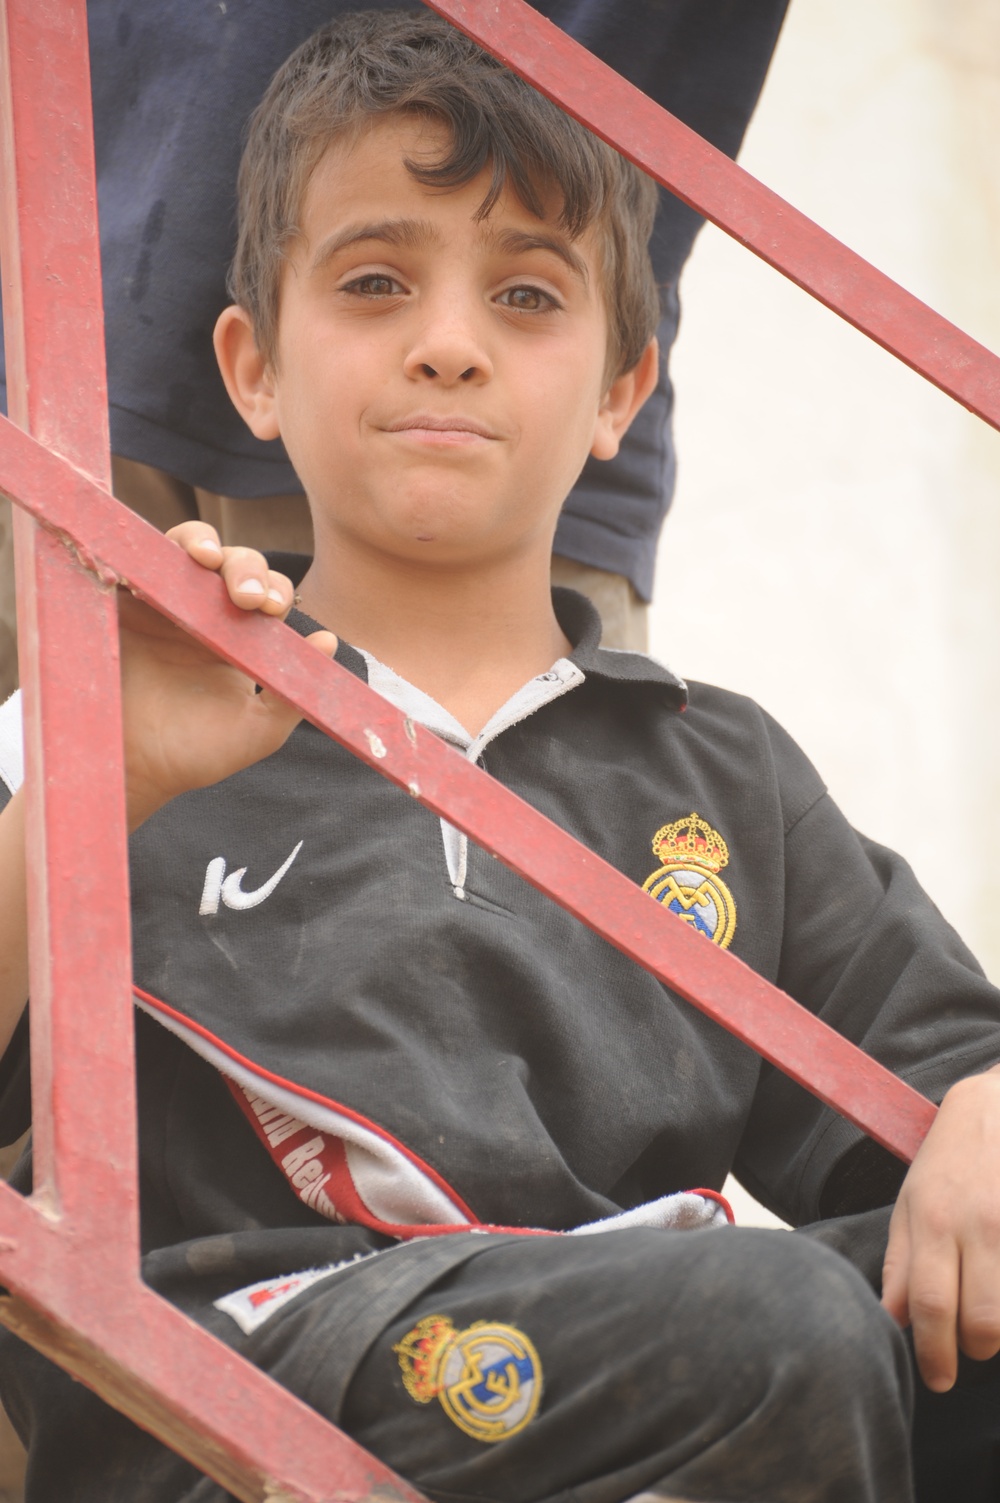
point(155, 495)
point(624, 616)
point(265, 522)
point(269, 523)
point(605, 543)
point(283, 523)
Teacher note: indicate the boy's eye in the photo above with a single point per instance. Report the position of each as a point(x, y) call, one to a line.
point(376, 284)
point(527, 299)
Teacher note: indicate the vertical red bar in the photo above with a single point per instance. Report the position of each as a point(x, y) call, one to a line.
point(78, 887)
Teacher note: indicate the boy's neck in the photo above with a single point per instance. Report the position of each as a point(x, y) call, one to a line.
point(467, 637)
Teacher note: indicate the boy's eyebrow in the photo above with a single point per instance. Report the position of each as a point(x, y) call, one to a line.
point(405, 232)
point(413, 232)
point(518, 242)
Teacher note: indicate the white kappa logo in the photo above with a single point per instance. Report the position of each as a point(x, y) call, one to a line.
point(218, 887)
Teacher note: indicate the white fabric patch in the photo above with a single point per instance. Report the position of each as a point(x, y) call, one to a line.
point(12, 742)
point(686, 1211)
point(653, 1498)
point(251, 1306)
point(391, 1185)
point(539, 691)
point(413, 701)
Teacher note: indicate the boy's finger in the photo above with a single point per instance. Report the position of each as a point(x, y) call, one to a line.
point(896, 1269)
point(979, 1314)
point(933, 1306)
point(199, 540)
point(247, 577)
point(280, 594)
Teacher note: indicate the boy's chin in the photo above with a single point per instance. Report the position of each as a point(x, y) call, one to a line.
point(440, 529)
point(455, 547)
point(456, 538)
point(446, 550)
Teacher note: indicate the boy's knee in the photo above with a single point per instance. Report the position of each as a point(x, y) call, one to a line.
point(777, 1308)
point(799, 1296)
point(813, 1345)
point(798, 1355)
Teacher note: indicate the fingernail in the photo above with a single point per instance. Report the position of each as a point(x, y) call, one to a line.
point(250, 587)
point(276, 596)
point(209, 545)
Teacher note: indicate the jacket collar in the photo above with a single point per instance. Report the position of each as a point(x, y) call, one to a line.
point(575, 614)
point(582, 624)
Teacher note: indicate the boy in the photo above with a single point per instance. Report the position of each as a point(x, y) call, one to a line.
point(443, 305)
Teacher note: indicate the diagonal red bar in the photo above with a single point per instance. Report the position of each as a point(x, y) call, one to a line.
point(716, 187)
point(714, 981)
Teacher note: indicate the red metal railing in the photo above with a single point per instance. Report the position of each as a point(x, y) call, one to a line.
point(69, 1255)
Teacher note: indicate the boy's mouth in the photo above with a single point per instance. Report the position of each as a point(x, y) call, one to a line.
point(435, 429)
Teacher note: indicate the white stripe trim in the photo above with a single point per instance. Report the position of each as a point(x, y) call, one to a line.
point(254, 1304)
point(393, 1188)
point(686, 1211)
point(532, 696)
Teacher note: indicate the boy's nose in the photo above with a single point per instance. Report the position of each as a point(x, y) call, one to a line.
point(449, 350)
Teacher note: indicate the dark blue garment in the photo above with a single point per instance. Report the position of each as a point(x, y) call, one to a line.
point(173, 86)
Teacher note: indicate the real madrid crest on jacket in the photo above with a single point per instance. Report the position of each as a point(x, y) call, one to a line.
point(688, 882)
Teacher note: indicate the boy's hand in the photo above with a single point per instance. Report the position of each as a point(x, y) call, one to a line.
point(942, 1265)
point(191, 719)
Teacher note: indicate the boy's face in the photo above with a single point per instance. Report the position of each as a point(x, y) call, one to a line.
point(439, 381)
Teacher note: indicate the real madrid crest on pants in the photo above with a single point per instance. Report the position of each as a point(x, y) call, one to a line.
point(688, 882)
point(488, 1377)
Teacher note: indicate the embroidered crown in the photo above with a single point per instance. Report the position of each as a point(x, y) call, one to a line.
point(419, 1355)
point(693, 842)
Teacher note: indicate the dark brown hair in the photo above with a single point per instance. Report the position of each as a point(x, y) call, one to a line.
point(372, 63)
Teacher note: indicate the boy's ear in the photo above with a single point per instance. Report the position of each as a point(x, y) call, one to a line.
point(248, 377)
point(622, 401)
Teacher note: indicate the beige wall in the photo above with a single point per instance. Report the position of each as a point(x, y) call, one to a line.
point(835, 545)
